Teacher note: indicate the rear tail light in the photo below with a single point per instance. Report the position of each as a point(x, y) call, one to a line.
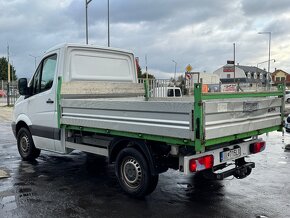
point(201, 163)
point(257, 147)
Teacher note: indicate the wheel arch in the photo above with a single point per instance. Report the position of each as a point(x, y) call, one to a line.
point(120, 143)
point(22, 121)
point(21, 124)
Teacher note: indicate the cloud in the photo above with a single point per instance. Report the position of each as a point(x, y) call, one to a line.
point(200, 33)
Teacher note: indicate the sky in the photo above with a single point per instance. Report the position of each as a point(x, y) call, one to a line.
point(199, 33)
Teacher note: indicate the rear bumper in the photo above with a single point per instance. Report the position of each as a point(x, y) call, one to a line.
point(245, 151)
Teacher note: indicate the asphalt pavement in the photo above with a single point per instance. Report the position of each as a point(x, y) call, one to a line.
point(80, 185)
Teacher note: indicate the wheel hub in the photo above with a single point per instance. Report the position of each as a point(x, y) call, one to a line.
point(132, 172)
point(24, 143)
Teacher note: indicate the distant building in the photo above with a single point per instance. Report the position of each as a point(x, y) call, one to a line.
point(243, 74)
point(280, 76)
point(209, 78)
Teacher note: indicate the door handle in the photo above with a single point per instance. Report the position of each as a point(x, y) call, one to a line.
point(49, 101)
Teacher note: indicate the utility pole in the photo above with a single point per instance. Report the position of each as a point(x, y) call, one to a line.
point(146, 66)
point(87, 2)
point(34, 59)
point(8, 75)
point(234, 62)
point(8, 79)
point(175, 64)
point(108, 23)
point(269, 57)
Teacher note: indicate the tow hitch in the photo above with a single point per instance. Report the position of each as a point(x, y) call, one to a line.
point(241, 170)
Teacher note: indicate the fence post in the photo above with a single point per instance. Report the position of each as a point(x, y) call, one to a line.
point(8, 102)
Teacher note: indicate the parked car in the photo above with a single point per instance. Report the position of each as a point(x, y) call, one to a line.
point(2, 93)
point(287, 96)
point(166, 92)
point(287, 124)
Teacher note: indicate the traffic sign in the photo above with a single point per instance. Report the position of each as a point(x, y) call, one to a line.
point(188, 76)
point(188, 68)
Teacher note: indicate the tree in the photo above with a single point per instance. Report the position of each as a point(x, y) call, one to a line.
point(150, 76)
point(4, 70)
point(139, 72)
point(181, 83)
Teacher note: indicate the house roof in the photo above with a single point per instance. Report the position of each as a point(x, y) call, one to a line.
point(277, 71)
point(251, 69)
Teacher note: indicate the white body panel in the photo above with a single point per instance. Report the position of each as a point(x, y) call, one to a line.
point(74, 63)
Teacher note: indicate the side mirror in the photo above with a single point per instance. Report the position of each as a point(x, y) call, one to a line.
point(22, 86)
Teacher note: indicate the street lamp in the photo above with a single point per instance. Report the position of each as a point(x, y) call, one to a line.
point(87, 2)
point(269, 33)
point(34, 59)
point(175, 64)
point(108, 23)
point(265, 62)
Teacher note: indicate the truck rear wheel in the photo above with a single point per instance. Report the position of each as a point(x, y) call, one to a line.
point(134, 174)
point(25, 144)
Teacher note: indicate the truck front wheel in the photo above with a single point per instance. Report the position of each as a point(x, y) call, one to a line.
point(26, 147)
point(133, 173)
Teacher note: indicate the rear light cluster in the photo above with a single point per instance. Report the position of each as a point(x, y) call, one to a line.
point(257, 147)
point(201, 163)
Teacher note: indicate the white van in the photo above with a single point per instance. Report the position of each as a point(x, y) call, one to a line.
point(161, 92)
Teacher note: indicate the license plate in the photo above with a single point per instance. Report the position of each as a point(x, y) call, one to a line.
point(231, 154)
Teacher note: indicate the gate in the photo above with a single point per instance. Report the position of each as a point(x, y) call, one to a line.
point(8, 93)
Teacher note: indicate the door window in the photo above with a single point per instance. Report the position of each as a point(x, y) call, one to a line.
point(170, 93)
point(48, 71)
point(177, 92)
point(35, 81)
point(44, 75)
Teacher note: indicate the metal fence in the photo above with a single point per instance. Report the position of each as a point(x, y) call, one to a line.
point(8, 93)
point(161, 87)
point(170, 88)
point(158, 87)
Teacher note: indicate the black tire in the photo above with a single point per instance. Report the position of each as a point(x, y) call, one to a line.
point(25, 144)
point(133, 173)
point(288, 100)
point(153, 184)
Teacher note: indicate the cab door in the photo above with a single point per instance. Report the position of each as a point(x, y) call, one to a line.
point(41, 105)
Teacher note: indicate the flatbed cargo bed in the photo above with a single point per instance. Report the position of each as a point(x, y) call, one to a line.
point(236, 116)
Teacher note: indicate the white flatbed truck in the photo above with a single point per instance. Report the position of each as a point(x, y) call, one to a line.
point(87, 98)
